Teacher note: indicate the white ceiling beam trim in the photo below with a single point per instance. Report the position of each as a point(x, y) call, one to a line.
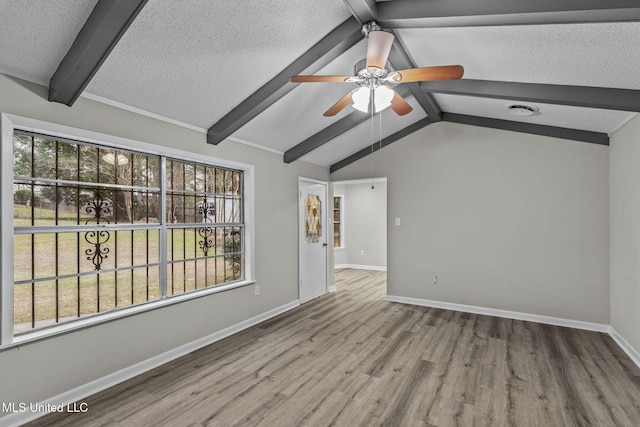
point(334, 44)
point(531, 128)
point(107, 23)
point(386, 141)
point(363, 10)
point(465, 13)
point(578, 96)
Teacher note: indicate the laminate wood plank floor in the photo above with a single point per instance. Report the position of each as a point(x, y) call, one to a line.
point(350, 358)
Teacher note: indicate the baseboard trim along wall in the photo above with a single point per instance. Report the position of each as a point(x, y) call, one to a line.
point(360, 267)
point(625, 346)
point(93, 387)
point(633, 354)
point(599, 327)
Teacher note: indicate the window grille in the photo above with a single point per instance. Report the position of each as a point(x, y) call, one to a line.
point(89, 228)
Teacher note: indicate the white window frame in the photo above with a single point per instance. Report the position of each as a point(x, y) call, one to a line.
point(8, 124)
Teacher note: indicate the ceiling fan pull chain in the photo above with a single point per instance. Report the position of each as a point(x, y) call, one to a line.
point(373, 141)
point(380, 134)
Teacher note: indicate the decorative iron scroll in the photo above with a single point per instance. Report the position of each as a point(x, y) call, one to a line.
point(99, 209)
point(207, 211)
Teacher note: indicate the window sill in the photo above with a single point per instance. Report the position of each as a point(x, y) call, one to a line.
point(97, 319)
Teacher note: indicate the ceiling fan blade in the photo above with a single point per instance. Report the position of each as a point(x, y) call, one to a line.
point(339, 106)
point(304, 79)
point(378, 48)
point(445, 72)
point(399, 105)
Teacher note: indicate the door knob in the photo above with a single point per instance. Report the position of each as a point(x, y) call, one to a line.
point(324, 245)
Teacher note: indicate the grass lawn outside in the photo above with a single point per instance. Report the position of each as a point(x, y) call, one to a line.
point(43, 256)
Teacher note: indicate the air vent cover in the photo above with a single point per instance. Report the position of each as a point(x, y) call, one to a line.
point(522, 109)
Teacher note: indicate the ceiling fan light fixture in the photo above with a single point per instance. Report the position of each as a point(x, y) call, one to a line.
point(382, 97)
point(361, 99)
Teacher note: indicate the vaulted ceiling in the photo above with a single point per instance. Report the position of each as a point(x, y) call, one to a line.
point(224, 67)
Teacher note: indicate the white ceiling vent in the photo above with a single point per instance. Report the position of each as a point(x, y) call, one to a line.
point(522, 109)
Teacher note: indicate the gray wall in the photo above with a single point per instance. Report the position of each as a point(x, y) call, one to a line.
point(39, 370)
point(365, 224)
point(625, 232)
point(505, 220)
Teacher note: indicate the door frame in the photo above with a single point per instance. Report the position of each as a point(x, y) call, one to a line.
point(325, 222)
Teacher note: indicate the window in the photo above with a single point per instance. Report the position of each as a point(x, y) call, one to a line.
point(204, 240)
point(338, 234)
point(98, 228)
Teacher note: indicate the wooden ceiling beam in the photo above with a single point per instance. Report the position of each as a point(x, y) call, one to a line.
point(326, 50)
point(577, 96)
point(106, 24)
point(531, 128)
point(465, 13)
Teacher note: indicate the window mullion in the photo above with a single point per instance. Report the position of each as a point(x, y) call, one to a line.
point(162, 245)
point(6, 231)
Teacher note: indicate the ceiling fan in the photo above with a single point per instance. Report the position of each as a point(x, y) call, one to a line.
point(374, 94)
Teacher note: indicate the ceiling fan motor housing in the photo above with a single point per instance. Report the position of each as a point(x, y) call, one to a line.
point(370, 26)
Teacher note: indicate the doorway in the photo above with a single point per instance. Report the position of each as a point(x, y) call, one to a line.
point(313, 238)
point(361, 218)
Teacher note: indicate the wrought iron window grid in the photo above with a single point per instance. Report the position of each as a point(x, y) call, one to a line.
point(228, 195)
point(207, 229)
point(52, 229)
point(162, 227)
point(189, 225)
point(200, 258)
point(84, 185)
point(83, 274)
point(96, 144)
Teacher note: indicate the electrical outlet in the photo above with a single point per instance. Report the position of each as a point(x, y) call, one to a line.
point(435, 280)
point(397, 221)
point(361, 252)
point(256, 290)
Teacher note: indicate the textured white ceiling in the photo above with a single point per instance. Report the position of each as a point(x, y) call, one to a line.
point(591, 119)
point(195, 60)
point(35, 35)
point(571, 54)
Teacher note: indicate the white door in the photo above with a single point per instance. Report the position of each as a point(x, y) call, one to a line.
point(312, 226)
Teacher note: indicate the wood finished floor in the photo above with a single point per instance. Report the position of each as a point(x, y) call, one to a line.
point(352, 359)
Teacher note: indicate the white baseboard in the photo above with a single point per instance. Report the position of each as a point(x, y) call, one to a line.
point(361, 267)
point(625, 346)
point(633, 354)
point(86, 390)
point(332, 289)
point(557, 321)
